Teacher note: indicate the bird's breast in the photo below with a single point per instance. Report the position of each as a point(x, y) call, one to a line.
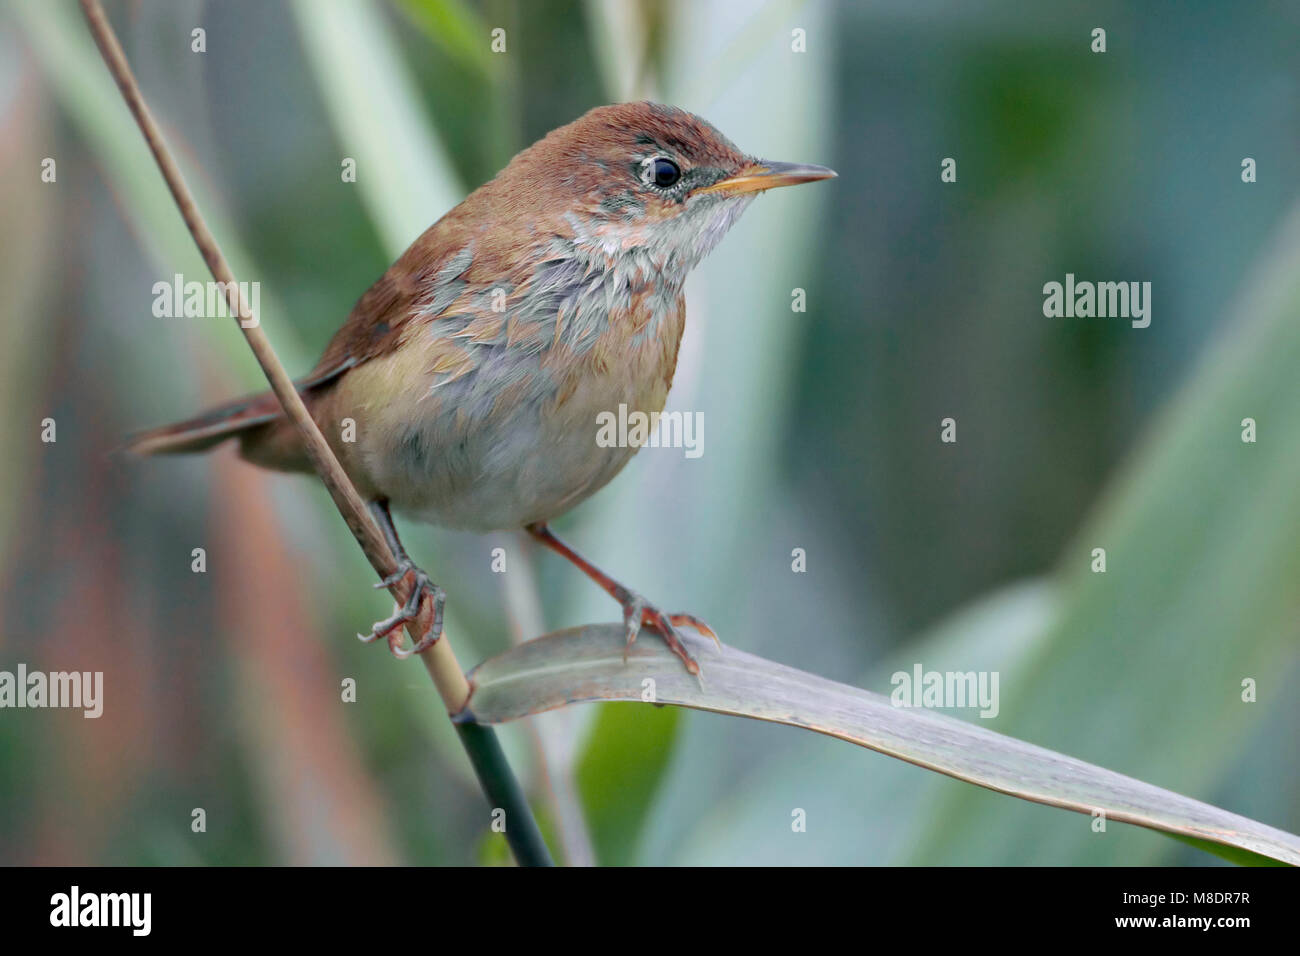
point(487, 419)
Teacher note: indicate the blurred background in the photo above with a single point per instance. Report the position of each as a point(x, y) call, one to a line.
point(822, 428)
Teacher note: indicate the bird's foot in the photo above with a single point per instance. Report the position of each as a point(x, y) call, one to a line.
point(638, 613)
point(391, 627)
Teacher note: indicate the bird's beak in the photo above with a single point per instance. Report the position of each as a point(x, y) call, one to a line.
point(761, 174)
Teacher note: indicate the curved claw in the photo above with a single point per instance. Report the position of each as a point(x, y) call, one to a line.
point(391, 626)
point(664, 625)
point(692, 621)
point(638, 612)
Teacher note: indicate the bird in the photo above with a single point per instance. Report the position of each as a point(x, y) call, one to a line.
point(465, 386)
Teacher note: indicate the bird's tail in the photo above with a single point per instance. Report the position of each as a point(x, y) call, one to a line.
point(266, 435)
point(206, 430)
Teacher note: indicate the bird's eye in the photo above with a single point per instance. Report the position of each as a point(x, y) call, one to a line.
point(665, 173)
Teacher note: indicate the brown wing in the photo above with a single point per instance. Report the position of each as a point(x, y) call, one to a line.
point(473, 245)
point(427, 278)
point(377, 322)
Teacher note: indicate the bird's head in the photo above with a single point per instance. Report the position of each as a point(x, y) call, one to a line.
point(644, 179)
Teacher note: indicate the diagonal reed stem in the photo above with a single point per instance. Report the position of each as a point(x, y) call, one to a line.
point(484, 750)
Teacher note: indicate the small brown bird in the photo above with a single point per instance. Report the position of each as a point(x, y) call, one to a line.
point(474, 371)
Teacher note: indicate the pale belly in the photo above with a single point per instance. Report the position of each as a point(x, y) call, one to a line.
point(495, 450)
point(510, 473)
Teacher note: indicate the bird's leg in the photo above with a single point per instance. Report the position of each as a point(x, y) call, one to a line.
point(421, 586)
point(637, 611)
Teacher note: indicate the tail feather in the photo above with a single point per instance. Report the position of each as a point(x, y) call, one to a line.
point(206, 430)
point(267, 438)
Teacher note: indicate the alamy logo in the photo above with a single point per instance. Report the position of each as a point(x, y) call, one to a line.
point(75, 908)
point(179, 299)
point(651, 430)
point(76, 689)
point(935, 689)
point(1103, 300)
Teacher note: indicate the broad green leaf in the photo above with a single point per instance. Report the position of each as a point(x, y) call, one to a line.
point(619, 773)
point(454, 28)
point(86, 92)
point(867, 810)
point(1198, 596)
point(588, 664)
point(406, 177)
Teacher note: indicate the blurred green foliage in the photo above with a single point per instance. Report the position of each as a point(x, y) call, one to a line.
point(619, 772)
point(924, 302)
